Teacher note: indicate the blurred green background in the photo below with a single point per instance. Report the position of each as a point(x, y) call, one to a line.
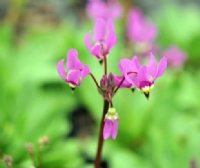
point(162, 132)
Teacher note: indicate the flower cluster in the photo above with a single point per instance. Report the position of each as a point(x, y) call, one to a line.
point(133, 73)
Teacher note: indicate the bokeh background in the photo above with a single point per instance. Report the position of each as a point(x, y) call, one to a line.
point(44, 123)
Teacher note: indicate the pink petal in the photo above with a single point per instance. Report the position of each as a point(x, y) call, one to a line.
point(72, 60)
point(150, 32)
point(136, 62)
point(111, 37)
point(161, 67)
point(74, 77)
point(111, 40)
point(87, 42)
point(107, 130)
point(115, 129)
point(118, 80)
point(142, 76)
point(61, 70)
point(99, 30)
point(128, 68)
point(152, 67)
point(85, 71)
point(96, 51)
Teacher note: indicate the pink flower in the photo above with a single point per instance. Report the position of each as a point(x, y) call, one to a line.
point(75, 72)
point(111, 124)
point(138, 29)
point(145, 76)
point(141, 32)
point(104, 38)
point(175, 57)
point(100, 9)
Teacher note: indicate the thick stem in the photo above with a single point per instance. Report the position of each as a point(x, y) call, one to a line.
point(100, 142)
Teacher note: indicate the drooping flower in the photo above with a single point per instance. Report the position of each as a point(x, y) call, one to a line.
point(175, 57)
point(105, 10)
point(141, 32)
point(138, 29)
point(111, 122)
point(75, 72)
point(104, 38)
point(145, 76)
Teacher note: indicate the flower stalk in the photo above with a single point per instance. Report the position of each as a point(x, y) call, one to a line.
point(101, 140)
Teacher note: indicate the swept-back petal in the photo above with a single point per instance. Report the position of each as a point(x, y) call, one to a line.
point(72, 60)
point(142, 76)
point(61, 70)
point(99, 30)
point(118, 79)
point(107, 130)
point(161, 67)
point(129, 70)
point(74, 77)
point(152, 67)
point(115, 128)
point(85, 71)
point(96, 51)
point(111, 40)
point(136, 62)
point(87, 41)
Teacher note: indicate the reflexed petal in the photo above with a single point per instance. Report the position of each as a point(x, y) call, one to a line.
point(152, 67)
point(128, 68)
point(136, 62)
point(61, 70)
point(142, 75)
point(74, 77)
point(87, 41)
point(107, 130)
point(118, 80)
point(111, 37)
point(72, 60)
point(99, 30)
point(111, 40)
point(96, 51)
point(110, 26)
point(115, 129)
point(161, 67)
point(151, 32)
point(85, 71)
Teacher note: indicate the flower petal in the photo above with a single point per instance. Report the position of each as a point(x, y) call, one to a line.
point(136, 62)
point(107, 130)
point(61, 70)
point(72, 60)
point(152, 67)
point(161, 67)
point(115, 129)
point(74, 77)
point(142, 76)
point(129, 70)
point(99, 30)
point(96, 51)
point(118, 79)
point(85, 71)
point(111, 37)
point(87, 42)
